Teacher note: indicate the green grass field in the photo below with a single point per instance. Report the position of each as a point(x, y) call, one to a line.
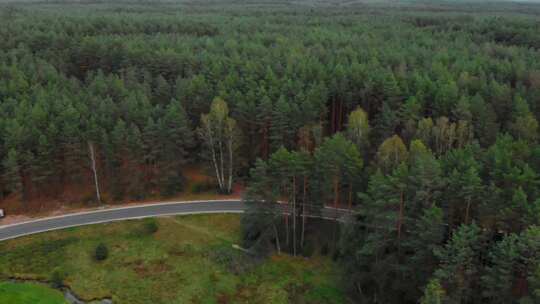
point(17, 293)
point(189, 259)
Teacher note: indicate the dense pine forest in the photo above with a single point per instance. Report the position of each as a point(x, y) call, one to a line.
point(419, 117)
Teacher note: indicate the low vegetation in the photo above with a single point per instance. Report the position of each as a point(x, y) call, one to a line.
point(101, 253)
point(19, 293)
point(189, 259)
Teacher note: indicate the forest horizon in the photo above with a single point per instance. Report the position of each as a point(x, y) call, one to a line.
point(419, 118)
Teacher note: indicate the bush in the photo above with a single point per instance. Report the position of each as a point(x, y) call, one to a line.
point(325, 250)
point(308, 249)
point(151, 226)
point(232, 259)
point(102, 252)
point(57, 278)
point(200, 187)
point(171, 183)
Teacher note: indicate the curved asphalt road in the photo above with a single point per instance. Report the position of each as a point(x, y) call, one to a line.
point(109, 215)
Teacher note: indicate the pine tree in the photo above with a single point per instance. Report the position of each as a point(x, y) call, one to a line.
point(445, 99)
point(264, 119)
point(340, 162)
point(426, 234)
point(162, 90)
point(371, 244)
point(12, 175)
point(524, 125)
point(409, 114)
point(385, 123)
point(460, 262)
point(485, 123)
point(280, 130)
point(176, 143)
point(512, 264)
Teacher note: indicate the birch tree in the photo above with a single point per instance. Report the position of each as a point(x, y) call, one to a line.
point(358, 129)
point(391, 153)
point(220, 135)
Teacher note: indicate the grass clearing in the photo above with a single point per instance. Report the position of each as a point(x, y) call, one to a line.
point(189, 259)
point(15, 293)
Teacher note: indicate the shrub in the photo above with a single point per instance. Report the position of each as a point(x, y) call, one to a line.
point(201, 187)
point(171, 183)
point(325, 250)
point(102, 252)
point(151, 226)
point(57, 278)
point(232, 259)
point(308, 249)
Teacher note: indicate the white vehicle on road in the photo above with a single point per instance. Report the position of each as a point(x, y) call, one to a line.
point(2, 213)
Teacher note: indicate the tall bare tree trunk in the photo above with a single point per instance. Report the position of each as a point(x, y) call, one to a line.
point(214, 160)
point(350, 197)
point(400, 220)
point(222, 172)
point(265, 142)
point(303, 213)
point(336, 191)
point(94, 170)
point(336, 200)
point(294, 215)
point(332, 118)
point(287, 225)
point(277, 239)
point(340, 115)
point(229, 187)
point(468, 210)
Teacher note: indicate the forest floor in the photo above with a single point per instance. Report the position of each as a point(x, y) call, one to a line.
point(190, 259)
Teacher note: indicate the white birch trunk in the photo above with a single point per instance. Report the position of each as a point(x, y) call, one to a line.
point(229, 188)
point(277, 239)
point(294, 215)
point(221, 164)
point(213, 150)
point(94, 170)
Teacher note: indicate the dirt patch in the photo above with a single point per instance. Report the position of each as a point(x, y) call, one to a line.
point(142, 270)
point(223, 299)
point(195, 174)
point(160, 267)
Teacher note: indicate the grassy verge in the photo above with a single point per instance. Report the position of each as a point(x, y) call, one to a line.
point(15, 293)
point(189, 259)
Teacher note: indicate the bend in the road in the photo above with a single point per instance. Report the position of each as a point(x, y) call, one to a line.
point(119, 214)
point(141, 211)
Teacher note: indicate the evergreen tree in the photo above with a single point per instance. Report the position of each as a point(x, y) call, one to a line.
point(280, 131)
point(340, 163)
point(512, 263)
point(460, 268)
point(177, 141)
point(524, 125)
point(11, 172)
